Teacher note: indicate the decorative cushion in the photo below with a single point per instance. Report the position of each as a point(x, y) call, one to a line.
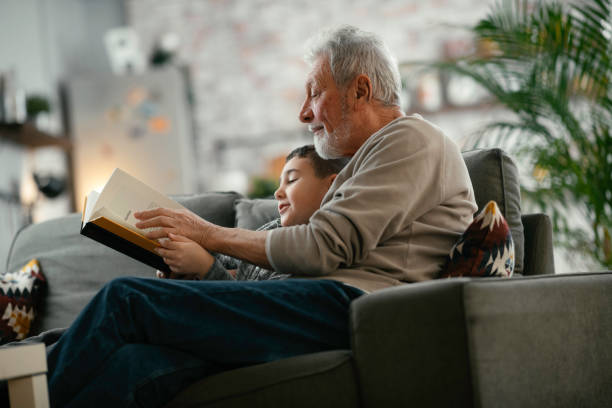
point(495, 177)
point(20, 292)
point(485, 248)
point(253, 213)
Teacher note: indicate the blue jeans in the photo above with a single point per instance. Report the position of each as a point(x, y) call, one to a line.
point(140, 341)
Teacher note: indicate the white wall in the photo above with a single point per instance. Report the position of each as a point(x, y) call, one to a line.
point(44, 42)
point(245, 59)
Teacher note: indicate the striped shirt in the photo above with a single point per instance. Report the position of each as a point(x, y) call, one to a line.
point(244, 270)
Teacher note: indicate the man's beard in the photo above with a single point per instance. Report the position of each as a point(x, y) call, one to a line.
point(329, 145)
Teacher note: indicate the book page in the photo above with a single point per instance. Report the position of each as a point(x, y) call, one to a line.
point(90, 203)
point(123, 195)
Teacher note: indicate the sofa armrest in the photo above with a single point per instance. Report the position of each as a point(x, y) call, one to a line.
point(539, 259)
point(410, 346)
point(486, 342)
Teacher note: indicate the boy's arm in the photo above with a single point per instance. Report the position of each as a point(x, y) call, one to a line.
point(185, 257)
point(218, 272)
point(226, 261)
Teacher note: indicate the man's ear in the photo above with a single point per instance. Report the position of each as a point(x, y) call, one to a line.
point(363, 88)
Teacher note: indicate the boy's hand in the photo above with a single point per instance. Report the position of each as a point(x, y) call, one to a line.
point(186, 259)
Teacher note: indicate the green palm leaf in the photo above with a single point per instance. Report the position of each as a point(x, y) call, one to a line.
point(550, 64)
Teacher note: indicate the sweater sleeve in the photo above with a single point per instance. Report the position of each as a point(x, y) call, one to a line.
point(392, 181)
point(218, 272)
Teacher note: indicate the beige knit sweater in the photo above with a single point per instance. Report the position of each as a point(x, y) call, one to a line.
point(391, 215)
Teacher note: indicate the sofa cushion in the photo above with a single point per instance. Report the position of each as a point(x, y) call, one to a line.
point(485, 248)
point(326, 378)
point(495, 178)
point(76, 267)
point(216, 207)
point(20, 293)
point(253, 213)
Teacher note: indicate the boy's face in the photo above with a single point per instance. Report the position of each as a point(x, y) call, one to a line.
point(300, 192)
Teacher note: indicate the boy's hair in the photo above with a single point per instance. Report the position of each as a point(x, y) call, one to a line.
point(322, 167)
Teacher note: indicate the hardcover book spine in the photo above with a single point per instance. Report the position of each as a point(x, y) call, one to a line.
point(124, 246)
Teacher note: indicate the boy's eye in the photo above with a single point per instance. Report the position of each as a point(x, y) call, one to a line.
point(291, 181)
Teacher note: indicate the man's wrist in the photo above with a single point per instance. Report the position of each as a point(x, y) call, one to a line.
point(207, 236)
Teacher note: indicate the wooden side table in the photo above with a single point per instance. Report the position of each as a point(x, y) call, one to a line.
point(25, 368)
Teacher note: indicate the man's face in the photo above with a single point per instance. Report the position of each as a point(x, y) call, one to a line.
point(300, 192)
point(326, 112)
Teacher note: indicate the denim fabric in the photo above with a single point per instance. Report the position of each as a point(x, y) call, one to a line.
point(140, 341)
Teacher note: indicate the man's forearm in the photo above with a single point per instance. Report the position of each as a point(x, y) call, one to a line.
point(240, 243)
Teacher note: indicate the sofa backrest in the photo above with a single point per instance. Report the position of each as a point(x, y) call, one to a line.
point(76, 267)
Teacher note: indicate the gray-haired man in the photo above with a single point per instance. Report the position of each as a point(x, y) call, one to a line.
point(390, 216)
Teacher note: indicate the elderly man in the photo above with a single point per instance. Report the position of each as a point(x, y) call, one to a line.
point(390, 216)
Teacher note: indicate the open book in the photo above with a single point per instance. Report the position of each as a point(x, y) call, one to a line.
point(108, 217)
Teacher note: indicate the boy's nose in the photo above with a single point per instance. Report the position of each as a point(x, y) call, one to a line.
point(278, 193)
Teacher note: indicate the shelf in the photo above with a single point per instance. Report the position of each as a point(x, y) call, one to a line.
point(26, 134)
point(448, 108)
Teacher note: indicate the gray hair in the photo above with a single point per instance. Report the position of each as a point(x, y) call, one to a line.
point(352, 52)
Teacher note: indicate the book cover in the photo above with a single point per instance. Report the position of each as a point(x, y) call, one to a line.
point(108, 217)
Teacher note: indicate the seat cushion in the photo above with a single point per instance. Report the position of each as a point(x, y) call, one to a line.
point(495, 178)
point(325, 378)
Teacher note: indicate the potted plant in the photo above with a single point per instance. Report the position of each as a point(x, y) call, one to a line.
point(35, 105)
point(550, 64)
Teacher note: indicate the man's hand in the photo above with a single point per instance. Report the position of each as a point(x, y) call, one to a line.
point(178, 222)
point(186, 259)
point(247, 245)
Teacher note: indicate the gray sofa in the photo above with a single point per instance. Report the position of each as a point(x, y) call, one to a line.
point(526, 341)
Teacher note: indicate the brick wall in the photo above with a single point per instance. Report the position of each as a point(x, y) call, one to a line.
point(245, 61)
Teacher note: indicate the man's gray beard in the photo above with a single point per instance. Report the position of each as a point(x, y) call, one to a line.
point(328, 145)
point(324, 148)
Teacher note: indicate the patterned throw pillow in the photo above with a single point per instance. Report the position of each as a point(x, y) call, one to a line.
point(484, 249)
point(20, 292)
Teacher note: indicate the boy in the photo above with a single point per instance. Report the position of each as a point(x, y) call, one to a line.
point(305, 179)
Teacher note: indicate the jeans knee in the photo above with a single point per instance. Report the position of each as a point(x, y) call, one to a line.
point(119, 288)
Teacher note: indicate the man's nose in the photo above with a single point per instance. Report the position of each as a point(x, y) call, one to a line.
point(306, 114)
